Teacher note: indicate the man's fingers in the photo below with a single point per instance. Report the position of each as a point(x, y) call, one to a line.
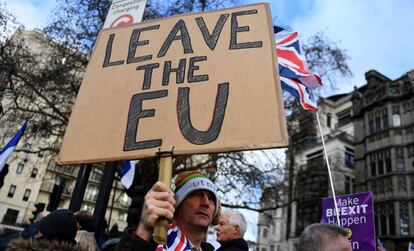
point(162, 204)
point(163, 196)
point(159, 209)
point(160, 187)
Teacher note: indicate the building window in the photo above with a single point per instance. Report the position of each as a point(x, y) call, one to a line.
point(125, 200)
point(19, 168)
point(372, 165)
point(26, 195)
point(388, 185)
point(123, 217)
point(97, 174)
point(374, 186)
point(348, 184)
point(272, 248)
point(371, 124)
point(349, 157)
point(12, 190)
point(412, 183)
point(344, 117)
point(380, 167)
point(388, 166)
point(381, 186)
point(391, 219)
point(385, 123)
point(328, 120)
point(399, 152)
point(377, 122)
point(10, 217)
point(383, 222)
point(404, 219)
point(264, 232)
point(91, 193)
point(396, 120)
point(87, 207)
point(402, 183)
point(34, 173)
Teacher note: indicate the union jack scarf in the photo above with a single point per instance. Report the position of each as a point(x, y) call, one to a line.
point(176, 240)
point(295, 76)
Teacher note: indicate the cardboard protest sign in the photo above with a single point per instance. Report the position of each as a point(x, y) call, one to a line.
point(195, 83)
point(356, 213)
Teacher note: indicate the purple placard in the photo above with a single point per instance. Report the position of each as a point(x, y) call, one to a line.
point(356, 213)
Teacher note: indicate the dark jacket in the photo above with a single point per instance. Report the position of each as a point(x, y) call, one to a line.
point(233, 245)
point(44, 245)
point(132, 242)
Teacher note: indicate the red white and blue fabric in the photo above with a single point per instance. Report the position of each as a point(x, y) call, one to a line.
point(128, 172)
point(380, 247)
point(293, 68)
point(176, 240)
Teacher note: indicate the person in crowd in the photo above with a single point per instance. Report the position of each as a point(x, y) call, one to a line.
point(192, 211)
point(324, 237)
point(86, 240)
point(110, 245)
point(230, 231)
point(85, 221)
point(31, 230)
point(56, 231)
point(27, 233)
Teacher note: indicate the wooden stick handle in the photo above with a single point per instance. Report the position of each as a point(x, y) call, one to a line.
point(165, 175)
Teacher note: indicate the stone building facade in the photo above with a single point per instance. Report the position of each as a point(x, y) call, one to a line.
point(278, 230)
point(369, 135)
point(35, 180)
point(383, 116)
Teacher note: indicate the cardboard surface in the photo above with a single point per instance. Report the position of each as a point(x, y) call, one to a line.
point(225, 97)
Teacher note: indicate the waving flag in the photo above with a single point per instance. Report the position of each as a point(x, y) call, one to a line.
point(128, 173)
point(176, 240)
point(6, 152)
point(411, 246)
point(293, 68)
point(380, 247)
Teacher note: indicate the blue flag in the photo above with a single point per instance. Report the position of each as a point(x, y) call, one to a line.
point(6, 152)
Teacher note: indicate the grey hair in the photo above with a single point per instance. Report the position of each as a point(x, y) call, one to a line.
point(236, 218)
point(318, 237)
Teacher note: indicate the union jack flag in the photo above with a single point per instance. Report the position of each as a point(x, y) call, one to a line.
point(176, 240)
point(380, 247)
point(293, 68)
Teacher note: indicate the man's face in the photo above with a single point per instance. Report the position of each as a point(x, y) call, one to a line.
point(225, 231)
point(196, 210)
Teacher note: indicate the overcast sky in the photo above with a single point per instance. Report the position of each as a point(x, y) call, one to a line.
point(377, 34)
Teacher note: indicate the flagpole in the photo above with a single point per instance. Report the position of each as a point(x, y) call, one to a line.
point(329, 169)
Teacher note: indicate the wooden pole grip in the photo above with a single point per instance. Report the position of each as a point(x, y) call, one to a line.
point(165, 175)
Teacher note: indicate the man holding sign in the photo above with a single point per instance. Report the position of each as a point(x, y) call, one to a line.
point(192, 210)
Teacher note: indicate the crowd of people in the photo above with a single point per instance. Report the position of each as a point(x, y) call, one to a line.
point(58, 230)
point(192, 207)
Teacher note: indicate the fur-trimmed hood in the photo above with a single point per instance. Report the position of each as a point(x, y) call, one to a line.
point(40, 245)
